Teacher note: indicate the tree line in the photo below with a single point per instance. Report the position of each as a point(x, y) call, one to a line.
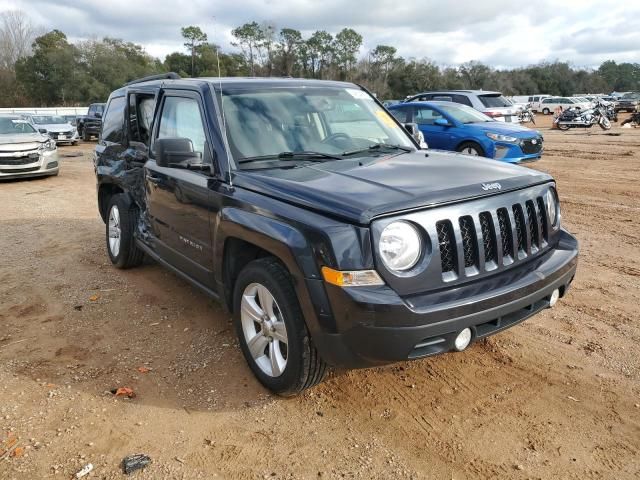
point(39, 68)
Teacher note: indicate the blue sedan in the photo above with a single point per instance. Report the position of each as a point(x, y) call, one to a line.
point(455, 127)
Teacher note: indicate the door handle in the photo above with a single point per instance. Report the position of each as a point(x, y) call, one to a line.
point(153, 179)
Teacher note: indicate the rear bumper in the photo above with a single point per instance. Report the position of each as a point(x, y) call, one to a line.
point(376, 326)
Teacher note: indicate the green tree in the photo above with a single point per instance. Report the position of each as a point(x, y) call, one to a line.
point(319, 49)
point(194, 37)
point(250, 38)
point(51, 75)
point(345, 47)
point(290, 44)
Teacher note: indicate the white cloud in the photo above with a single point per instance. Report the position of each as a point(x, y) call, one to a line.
point(500, 32)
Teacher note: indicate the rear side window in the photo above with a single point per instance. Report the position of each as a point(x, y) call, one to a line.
point(462, 99)
point(113, 121)
point(494, 101)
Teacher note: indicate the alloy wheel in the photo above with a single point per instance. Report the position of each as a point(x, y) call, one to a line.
point(115, 231)
point(264, 329)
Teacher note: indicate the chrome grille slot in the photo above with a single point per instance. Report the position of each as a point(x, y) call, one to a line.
point(505, 233)
point(532, 221)
point(488, 238)
point(447, 243)
point(542, 215)
point(521, 234)
point(469, 241)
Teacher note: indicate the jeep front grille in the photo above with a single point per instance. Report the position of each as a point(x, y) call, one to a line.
point(519, 230)
point(474, 239)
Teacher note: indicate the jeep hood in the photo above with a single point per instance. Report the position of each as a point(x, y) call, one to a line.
point(360, 189)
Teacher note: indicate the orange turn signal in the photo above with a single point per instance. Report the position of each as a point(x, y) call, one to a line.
point(353, 278)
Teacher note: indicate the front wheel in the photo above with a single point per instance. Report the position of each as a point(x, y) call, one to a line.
point(605, 124)
point(271, 329)
point(563, 126)
point(120, 228)
point(471, 148)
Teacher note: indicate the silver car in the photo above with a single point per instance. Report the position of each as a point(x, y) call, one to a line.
point(25, 152)
point(492, 104)
point(57, 127)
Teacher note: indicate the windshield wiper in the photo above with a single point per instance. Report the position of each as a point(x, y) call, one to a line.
point(378, 146)
point(302, 155)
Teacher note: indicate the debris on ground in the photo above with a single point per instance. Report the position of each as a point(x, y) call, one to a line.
point(95, 297)
point(144, 369)
point(85, 470)
point(123, 392)
point(131, 463)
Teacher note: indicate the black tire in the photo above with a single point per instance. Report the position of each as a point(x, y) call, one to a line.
point(472, 145)
point(304, 366)
point(128, 254)
point(546, 111)
point(563, 127)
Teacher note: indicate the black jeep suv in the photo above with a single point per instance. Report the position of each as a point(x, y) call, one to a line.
point(313, 215)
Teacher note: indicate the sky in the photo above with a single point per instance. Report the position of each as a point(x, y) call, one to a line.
point(501, 33)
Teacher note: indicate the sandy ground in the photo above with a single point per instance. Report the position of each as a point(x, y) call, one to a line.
point(556, 397)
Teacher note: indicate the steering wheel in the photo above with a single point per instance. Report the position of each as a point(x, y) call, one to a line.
point(336, 136)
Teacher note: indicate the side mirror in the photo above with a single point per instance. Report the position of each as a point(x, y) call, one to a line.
point(43, 130)
point(442, 122)
point(414, 131)
point(168, 151)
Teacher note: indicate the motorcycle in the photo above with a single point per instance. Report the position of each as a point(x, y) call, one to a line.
point(609, 110)
point(576, 118)
point(634, 119)
point(526, 115)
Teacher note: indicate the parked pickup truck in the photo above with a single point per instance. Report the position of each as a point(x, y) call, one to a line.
point(314, 217)
point(90, 125)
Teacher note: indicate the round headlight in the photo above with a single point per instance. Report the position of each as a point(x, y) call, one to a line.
point(554, 209)
point(400, 246)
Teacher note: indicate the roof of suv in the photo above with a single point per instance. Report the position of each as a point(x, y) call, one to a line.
point(239, 81)
point(474, 92)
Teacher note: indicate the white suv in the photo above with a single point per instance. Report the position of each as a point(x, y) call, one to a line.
point(549, 104)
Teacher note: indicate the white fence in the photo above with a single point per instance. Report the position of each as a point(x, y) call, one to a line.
point(48, 110)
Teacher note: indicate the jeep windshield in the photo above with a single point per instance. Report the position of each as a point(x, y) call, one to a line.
point(289, 124)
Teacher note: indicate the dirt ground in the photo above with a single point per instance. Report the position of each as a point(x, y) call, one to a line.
point(555, 397)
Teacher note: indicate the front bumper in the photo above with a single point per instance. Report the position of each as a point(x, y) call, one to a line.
point(514, 153)
point(47, 164)
point(376, 326)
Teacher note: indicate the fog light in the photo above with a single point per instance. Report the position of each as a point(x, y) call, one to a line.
point(462, 340)
point(555, 295)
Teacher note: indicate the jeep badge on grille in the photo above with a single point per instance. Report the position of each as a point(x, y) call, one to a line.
point(491, 186)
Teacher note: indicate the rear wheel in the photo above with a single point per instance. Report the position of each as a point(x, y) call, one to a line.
point(271, 329)
point(546, 111)
point(471, 148)
point(120, 227)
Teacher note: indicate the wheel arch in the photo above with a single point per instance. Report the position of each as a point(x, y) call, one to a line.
point(105, 192)
point(243, 236)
